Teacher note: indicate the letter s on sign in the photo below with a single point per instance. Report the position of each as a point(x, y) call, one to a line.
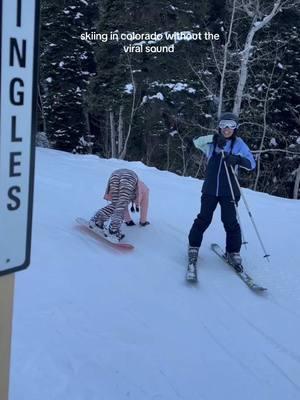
point(17, 202)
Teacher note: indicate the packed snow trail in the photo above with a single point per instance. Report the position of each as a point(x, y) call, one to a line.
point(94, 323)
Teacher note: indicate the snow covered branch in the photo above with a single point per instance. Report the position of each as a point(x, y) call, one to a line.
point(259, 20)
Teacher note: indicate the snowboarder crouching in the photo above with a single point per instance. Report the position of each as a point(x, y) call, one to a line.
point(139, 204)
point(224, 147)
point(122, 188)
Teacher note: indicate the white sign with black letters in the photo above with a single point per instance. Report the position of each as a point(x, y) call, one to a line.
point(18, 80)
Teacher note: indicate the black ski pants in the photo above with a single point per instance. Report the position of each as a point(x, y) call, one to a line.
point(228, 217)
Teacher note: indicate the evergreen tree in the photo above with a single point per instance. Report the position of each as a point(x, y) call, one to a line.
point(154, 91)
point(148, 106)
point(65, 69)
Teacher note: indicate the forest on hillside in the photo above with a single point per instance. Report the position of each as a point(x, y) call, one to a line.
point(95, 97)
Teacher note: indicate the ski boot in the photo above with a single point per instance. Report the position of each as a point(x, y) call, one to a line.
point(235, 260)
point(191, 274)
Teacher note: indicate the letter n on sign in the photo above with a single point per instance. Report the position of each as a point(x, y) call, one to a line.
point(18, 98)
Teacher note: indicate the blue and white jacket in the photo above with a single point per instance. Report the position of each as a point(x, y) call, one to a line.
point(216, 182)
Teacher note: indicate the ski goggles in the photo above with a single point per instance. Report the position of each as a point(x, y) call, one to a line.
point(227, 123)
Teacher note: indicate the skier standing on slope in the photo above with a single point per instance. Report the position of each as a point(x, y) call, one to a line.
point(122, 188)
point(216, 189)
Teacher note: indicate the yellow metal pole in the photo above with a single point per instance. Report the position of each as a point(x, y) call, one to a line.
point(6, 314)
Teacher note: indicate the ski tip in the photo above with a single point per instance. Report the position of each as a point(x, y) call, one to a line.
point(258, 289)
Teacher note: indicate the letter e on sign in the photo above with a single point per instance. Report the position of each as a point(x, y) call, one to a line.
point(19, 30)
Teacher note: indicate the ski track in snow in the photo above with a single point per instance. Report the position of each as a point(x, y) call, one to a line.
point(94, 322)
point(270, 339)
point(282, 372)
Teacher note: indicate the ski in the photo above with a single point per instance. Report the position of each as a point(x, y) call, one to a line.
point(99, 233)
point(191, 276)
point(246, 278)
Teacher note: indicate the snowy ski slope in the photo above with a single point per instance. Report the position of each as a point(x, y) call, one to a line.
point(93, 323)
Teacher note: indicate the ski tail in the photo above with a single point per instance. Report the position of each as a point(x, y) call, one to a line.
point(244, 276)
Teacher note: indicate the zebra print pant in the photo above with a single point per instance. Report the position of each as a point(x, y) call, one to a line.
point(122, 186)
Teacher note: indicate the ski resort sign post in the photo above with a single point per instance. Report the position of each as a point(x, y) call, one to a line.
point(18, 83)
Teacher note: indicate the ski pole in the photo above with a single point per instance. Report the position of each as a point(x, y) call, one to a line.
point(250, 215)
point(233, 199)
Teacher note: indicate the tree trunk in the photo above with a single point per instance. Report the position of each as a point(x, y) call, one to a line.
point(107, 135)
point(243, 73)
point(122, 155)
point(88, 135)
point(42, 111)
point(222, 82)
point(245, 55)
point(168, 153)
point(297, 184)
point(120, 130)
point(265, 125)
point(183, 158)
point(112, 134)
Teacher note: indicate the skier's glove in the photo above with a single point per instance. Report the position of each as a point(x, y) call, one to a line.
point(233, 160)
point(189, 143)
point(129, 223)
point(219, 140)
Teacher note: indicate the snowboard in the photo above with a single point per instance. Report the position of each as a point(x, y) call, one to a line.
point(99, 233)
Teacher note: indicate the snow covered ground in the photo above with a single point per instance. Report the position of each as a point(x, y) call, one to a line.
point(94, 323)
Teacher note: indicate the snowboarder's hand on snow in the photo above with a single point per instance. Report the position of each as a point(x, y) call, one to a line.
point(145, 223)
point(233, 160)
point(129, 223)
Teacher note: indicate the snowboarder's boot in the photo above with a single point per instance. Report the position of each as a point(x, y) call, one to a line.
point(191, 274)
point(235, 260)
point(114, 236)
point(96, 224)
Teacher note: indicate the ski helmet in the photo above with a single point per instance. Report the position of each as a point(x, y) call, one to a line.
point(229, 115)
